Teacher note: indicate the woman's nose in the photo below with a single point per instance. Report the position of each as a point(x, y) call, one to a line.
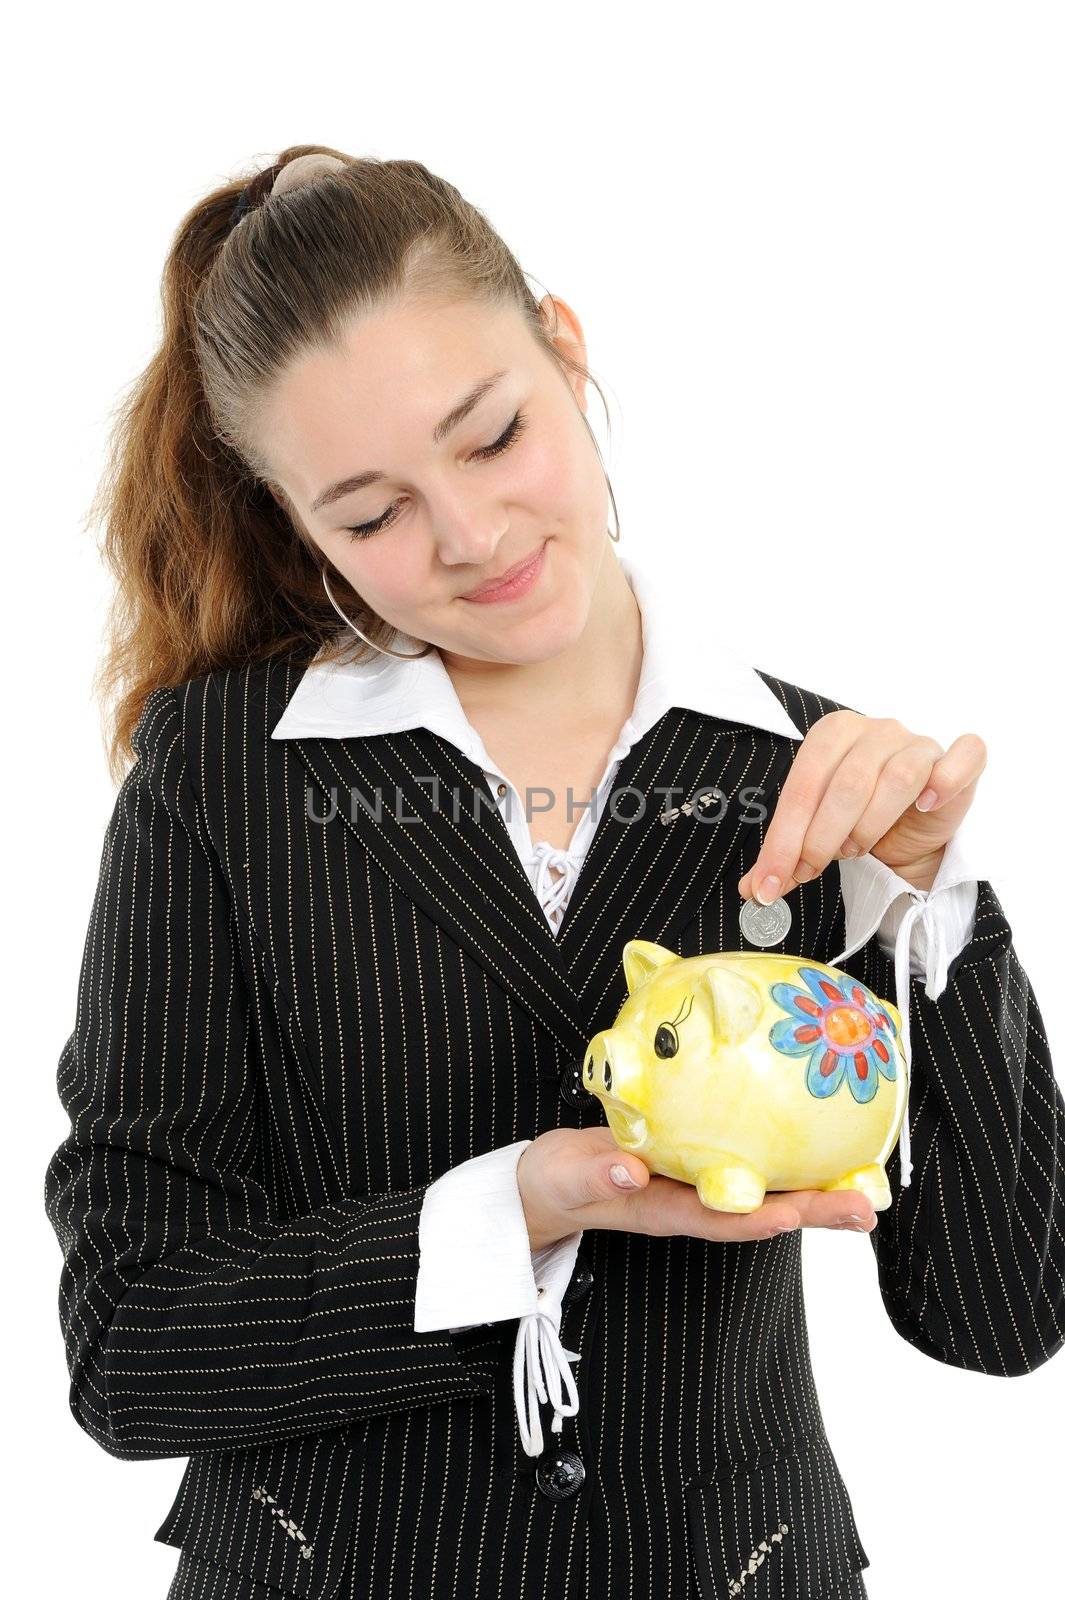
point(474, 549)
point(468, 532)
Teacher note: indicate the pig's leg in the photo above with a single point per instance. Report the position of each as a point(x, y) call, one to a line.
point(725, 1183)
point(871, 1180)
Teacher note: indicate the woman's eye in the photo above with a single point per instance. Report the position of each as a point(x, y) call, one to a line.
point(366, 530)
point(516, 426)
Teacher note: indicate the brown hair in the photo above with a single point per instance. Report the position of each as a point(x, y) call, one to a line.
point(210, 570)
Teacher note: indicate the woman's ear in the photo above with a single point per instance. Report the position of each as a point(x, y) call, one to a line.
point(565, 332)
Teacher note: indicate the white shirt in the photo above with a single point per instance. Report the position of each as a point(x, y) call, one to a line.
point(475, 1257)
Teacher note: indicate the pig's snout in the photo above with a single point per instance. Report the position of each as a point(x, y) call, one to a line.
point(598, 1071)
point(610, 1073)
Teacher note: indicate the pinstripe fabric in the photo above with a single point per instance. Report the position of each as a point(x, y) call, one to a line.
point(288, 1027)
point(196, 1580)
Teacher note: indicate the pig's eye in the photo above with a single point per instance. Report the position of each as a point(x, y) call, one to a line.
point(666, 1043)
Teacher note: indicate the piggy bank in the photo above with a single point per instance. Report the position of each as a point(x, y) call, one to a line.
point(748, 1072)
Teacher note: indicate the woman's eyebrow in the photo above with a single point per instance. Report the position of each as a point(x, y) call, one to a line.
point(447, 423)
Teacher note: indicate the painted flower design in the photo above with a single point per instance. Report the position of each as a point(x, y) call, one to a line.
point(840, 1028)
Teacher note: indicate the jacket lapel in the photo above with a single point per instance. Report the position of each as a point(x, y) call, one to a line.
point(424, 813)
point(645, 877)
point(447, 848)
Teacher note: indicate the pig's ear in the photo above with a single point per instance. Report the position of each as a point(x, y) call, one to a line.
point(735, 1003)
point(640, 958)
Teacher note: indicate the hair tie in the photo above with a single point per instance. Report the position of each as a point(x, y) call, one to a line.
point(279, 178)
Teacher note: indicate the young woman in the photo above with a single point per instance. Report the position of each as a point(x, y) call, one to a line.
point(414, 755)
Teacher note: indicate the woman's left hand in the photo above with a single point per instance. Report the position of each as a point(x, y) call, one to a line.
point(863, 785)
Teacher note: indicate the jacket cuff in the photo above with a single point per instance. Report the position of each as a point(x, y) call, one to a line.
point(876, 899)
point(475, 1260)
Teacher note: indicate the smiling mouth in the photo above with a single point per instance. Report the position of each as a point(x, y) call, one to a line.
point(513, 578)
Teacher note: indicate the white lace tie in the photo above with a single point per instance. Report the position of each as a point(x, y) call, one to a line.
point(553, 893)
point(935, 979)
point(538, 1347)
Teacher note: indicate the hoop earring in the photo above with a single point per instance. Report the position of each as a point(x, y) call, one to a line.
point(617, 520)
point(610, 487)
point(400, 655)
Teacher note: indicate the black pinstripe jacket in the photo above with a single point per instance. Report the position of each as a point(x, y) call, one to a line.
point(287, 1027)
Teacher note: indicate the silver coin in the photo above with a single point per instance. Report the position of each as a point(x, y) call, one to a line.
point(764, 925)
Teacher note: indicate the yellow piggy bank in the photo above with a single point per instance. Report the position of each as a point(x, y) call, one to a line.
point(744, 1072)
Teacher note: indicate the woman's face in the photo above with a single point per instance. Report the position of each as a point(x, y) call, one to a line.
point(443, 488)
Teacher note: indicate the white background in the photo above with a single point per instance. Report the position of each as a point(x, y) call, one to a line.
point(818, 254)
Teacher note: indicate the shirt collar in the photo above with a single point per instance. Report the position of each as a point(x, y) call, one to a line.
point(683, 666)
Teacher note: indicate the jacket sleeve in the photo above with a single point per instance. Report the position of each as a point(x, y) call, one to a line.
point(971, 1255)
point(197, 1315)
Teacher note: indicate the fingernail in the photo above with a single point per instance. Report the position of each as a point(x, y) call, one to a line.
point(926, 801)
point(622, 1178)
point(849, 849)
point(862, 1224)
point(768, 889)
point(785, 1227)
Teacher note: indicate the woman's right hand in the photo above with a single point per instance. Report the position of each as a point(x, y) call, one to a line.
point(565, 1182)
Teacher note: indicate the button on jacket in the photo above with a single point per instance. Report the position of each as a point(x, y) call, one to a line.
point(475, 1260)
point(297, 1013)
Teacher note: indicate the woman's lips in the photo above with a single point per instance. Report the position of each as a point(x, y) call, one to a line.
point(510, 587)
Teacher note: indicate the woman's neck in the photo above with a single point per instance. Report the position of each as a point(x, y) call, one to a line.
point(597, 675)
